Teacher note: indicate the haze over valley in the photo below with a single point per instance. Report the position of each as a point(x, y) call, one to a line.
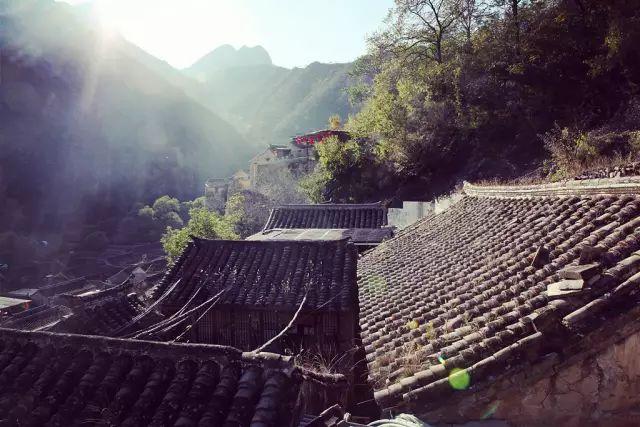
point(90, 111)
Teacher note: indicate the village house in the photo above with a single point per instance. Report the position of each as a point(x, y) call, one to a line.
point(257, 288)
point(364, 224)
point(12, 305)
point(62, 379)
point(40, 318)
point(517, 304)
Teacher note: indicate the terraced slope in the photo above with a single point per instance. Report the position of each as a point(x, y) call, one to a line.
point(481, 287)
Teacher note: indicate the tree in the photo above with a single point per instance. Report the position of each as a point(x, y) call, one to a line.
point(249, 210)
point(512, 12)
point(314, 185)
point(347, 172)
point(471, 14)
point(334, 122)
point(419, 29)
point(438, 118)
point(165, 204)
point(202, 223)
point(280, 185)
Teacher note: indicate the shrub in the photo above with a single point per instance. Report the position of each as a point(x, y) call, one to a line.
point(173, 220)
point(202, 223)
point(574, 151)
point(165, 205)
point(314, 184)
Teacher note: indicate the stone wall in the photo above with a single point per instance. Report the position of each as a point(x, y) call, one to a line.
point(631, 169)
point(409, 213)
point(602, 389)
point(215, 194)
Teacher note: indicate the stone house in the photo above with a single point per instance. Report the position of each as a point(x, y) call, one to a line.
point(239, 181)
point(516, 306)
point(279, 160)
point(215, 194)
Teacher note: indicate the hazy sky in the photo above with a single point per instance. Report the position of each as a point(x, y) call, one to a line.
point(294, 32)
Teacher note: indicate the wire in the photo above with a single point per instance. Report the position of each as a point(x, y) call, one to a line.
point(148, 310)
point(281, 333)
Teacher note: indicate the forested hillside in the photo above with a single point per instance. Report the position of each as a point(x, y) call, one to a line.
point(495, 89)
point(267, 103)
point(89, 127)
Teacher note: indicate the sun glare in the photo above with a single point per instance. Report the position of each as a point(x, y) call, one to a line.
point(105, 19)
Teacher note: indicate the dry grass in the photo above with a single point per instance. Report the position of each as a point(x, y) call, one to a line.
point(325, 362)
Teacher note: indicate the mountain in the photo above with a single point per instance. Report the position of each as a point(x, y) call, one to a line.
point(90, 125)
point(226, 57)
point(267, 103)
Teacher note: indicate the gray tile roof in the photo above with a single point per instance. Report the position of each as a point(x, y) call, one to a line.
point(65, 380)
point(368, 215)
point(476, 287)
point(274, 274)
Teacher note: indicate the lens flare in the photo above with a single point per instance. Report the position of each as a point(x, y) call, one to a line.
point(491, 410)
point(459, 379)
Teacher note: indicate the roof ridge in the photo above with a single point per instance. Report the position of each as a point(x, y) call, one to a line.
point(331, 205)
point(161, 349)
point(244, 242)
point(587, 187)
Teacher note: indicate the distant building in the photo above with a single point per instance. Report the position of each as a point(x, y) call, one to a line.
point(297, 160)
point(13, 305)
point(40, 318)
point(215, 193)
point(310, 139)
point(294, 160)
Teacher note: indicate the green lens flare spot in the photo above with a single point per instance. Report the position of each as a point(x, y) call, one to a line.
point(491, 410)
point(459, 379)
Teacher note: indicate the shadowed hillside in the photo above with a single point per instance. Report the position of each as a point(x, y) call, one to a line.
point(87, 128)
point(268, 103)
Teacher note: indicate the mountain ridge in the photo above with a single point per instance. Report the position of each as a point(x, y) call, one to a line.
point(225, 57)
point(268, 104)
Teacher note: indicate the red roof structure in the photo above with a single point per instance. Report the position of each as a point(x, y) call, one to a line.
point(318, 136)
